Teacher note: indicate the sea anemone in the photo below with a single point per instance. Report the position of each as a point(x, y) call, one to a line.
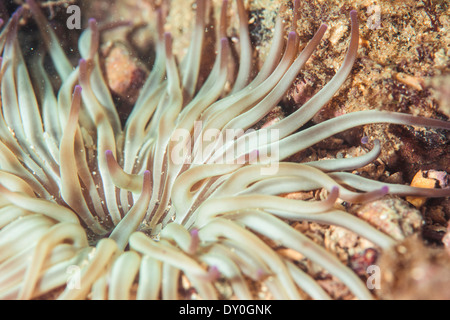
point(187, 188)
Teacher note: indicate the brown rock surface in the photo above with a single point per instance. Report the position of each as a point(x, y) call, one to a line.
point(414, 272)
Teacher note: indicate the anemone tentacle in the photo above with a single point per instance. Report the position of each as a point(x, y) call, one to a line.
point(169, 193)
